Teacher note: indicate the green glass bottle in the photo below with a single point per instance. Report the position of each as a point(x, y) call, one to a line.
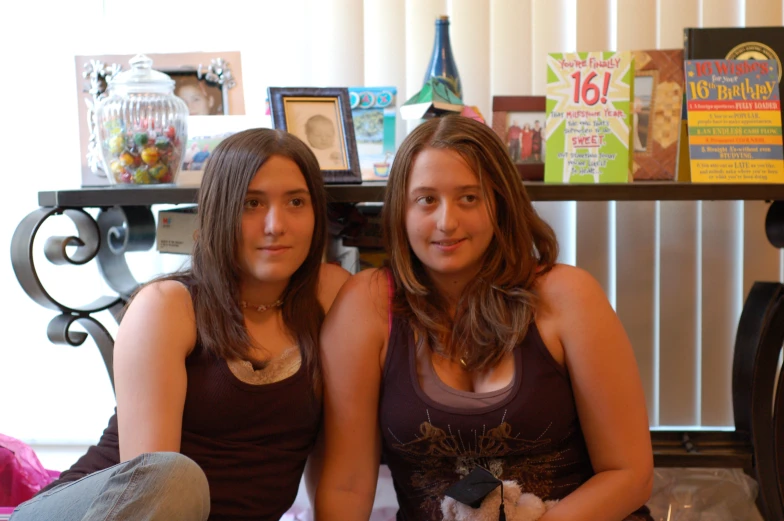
point(442, 63)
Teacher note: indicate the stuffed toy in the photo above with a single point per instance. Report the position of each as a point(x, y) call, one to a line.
point(517, 506)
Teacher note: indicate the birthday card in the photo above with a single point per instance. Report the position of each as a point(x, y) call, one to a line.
point(589, 117)
point(734, 121)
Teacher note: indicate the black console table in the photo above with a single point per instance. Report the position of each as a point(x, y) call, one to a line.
point(125, 223)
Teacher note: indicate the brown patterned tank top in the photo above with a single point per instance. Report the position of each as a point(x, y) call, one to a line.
point(532, 436)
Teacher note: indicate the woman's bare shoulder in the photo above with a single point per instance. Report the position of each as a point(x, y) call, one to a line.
point(331, 279)
point(571, 303)
point(566, 285)
point(374, 284)
point(366, 294)
point(160, 313)
point(165, 294)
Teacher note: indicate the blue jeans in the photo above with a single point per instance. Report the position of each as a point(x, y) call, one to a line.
point(151, 487)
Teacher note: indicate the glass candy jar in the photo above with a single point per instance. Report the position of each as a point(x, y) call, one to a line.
point(142, 126)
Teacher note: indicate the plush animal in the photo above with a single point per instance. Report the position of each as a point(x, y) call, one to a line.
point(517, 506)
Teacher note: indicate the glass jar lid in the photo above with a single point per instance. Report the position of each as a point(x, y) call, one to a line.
point(141, 78)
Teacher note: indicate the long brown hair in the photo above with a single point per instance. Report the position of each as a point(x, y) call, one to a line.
point(214, 275)
point(497, 306)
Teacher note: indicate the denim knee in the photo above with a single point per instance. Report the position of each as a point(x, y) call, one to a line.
point(178, 481)
point(163, 486)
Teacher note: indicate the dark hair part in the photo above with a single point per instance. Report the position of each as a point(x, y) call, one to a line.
point(214, 276)
point(497, 306)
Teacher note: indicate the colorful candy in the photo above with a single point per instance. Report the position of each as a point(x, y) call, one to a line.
point(116, 167)
point(116, 144)
point(142, 155)
point(140, 138)
point(150, 155)
point(126, 159)
point(162, 142)
point(159, 171)
point(141, 176)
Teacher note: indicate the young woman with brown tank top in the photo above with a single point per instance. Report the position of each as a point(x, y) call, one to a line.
point(217, 368)
point(475, 348)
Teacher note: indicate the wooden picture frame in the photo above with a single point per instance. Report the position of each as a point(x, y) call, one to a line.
point(321, 117)
point(511, 115)
point(658, 104)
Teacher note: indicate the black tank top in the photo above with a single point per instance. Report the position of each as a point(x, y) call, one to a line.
point(532, 437)
point(251, 441)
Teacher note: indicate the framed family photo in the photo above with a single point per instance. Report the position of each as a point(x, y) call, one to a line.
point(519, 121)
point(321, 117)
point(210, 83)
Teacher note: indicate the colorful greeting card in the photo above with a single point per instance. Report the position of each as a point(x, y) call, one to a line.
point(589, 117)
point(734, 121)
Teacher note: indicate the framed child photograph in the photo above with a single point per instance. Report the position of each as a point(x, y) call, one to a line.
point(321, 117)
point(519, 122)
point(203, 98)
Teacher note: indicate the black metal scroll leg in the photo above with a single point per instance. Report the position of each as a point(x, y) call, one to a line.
point(59, 332)
point(124, 229)
point(79, 249)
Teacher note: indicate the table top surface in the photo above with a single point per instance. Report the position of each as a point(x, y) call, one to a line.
point(373, 191)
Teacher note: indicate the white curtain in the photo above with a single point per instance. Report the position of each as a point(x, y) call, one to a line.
point(677, 272)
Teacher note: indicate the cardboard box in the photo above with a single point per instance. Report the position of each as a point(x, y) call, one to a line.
point(176, 230)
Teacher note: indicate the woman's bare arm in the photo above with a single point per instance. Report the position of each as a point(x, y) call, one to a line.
point(331, 279)
point(157, 333)
point(352, 342)
point(609, 399)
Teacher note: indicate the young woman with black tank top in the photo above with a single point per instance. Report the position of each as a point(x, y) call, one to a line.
point(217, 368)
point(475, 348)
